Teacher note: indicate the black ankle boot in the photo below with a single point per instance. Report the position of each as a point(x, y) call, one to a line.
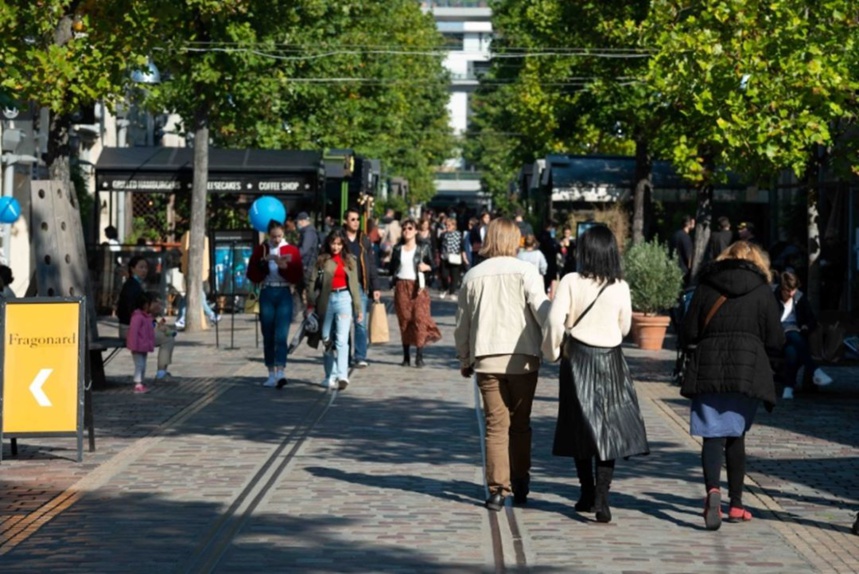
point(585, 470)
point(587, 498)
point(419, 357)
point(407, 359)
point(603, 511)
point(521, 488)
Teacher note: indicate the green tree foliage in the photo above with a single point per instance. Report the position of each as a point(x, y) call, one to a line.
point(63, 55)
point(316, 74)
point(758, 85)
point(564, 80)
point(368, 75)
point(307, 74)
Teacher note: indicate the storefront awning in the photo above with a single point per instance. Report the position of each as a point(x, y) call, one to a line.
point(170, 170)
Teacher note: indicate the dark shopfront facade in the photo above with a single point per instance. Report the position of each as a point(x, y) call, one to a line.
point(562, 184)
point(145, 193)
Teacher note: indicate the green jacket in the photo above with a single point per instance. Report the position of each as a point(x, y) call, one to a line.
point(319, 290)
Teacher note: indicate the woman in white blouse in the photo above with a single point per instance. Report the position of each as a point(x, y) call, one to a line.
point(598, 414)
point(411, 260)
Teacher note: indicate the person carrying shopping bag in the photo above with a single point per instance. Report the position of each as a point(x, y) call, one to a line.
point(452, 258)
point(334, 295)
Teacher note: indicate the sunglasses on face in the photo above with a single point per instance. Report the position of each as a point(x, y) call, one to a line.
point(353, 219)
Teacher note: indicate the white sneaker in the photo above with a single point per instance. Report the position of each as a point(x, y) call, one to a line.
point(454, 297)
point(787, 394)
point(443, 295)
point(180, 324)
point(330, 384)
point(215, 319)
point(820, 378)
point(342, 384)
point(271, 382)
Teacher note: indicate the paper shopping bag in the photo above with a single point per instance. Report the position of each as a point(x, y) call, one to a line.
point(379, 324)
point(252, 302)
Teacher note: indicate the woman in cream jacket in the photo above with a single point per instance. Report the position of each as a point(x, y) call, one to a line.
point(502, 307)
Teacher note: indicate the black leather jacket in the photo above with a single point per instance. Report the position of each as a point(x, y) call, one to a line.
point(423, 254)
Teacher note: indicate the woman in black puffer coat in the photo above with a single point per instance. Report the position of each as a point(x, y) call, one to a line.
point(729, 373)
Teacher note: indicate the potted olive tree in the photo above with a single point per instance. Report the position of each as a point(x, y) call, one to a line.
point(655, 281)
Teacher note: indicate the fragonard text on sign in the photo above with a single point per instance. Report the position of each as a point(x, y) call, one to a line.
point(33, 342)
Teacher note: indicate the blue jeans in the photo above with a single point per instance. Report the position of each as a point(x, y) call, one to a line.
point(338, 315)
point(361, 338)
point(207, 309)
point(275, 315)
point(796, 354)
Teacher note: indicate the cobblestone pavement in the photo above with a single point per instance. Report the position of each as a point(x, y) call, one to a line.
point(209, 473)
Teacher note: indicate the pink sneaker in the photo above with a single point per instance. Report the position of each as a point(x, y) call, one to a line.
point(140, 388)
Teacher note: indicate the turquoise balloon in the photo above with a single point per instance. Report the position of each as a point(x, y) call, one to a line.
point(264, 210)
point(10, 209)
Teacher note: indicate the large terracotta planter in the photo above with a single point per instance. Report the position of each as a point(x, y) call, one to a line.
point(651, 331)
point(633, 331)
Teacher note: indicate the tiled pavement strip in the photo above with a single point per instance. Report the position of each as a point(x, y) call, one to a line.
point(390, 480)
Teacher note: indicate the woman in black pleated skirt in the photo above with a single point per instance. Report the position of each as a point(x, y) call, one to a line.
point(599, 419)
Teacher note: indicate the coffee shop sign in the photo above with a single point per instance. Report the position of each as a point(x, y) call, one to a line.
point(216, 186)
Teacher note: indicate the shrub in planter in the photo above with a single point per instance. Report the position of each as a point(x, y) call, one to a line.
point(655, 281)
point(654, 277)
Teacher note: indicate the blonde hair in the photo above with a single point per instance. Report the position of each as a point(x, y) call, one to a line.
point(748, 252)
point(502, 239)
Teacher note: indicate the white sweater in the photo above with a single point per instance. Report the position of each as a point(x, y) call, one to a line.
point(605, 324)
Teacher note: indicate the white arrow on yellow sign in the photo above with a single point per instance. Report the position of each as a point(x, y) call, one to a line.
point(42, 367)
point(36, 388)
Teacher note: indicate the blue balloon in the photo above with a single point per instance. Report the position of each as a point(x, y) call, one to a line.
point(10, 209)
point(264, 210)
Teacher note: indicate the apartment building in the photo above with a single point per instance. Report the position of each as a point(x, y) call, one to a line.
point(467, 28)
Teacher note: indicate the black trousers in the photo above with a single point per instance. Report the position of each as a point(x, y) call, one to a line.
point(450, 277)
point(734, 450)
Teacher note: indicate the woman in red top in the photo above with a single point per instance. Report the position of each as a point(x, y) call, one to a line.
point(334, 292)
point(275, 266)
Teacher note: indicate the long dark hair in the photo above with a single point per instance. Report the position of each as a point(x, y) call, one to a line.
point(325, 254)
point(132, 263)
point(598, 255)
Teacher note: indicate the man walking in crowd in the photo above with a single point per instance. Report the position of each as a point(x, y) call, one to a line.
point(308, 242)
point(721, 238)
point(368, 276)
point(390, 232)
point(746, 231)
point(681, 244)
point(550, 248)
point(525, 228)
point(477, 235)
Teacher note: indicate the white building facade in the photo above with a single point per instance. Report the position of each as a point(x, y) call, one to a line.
point(467, 28)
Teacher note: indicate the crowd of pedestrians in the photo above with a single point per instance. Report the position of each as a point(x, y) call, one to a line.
point(521, 299)
point(741, 321)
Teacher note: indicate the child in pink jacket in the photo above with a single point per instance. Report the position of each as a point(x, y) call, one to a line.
point(141, 338)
